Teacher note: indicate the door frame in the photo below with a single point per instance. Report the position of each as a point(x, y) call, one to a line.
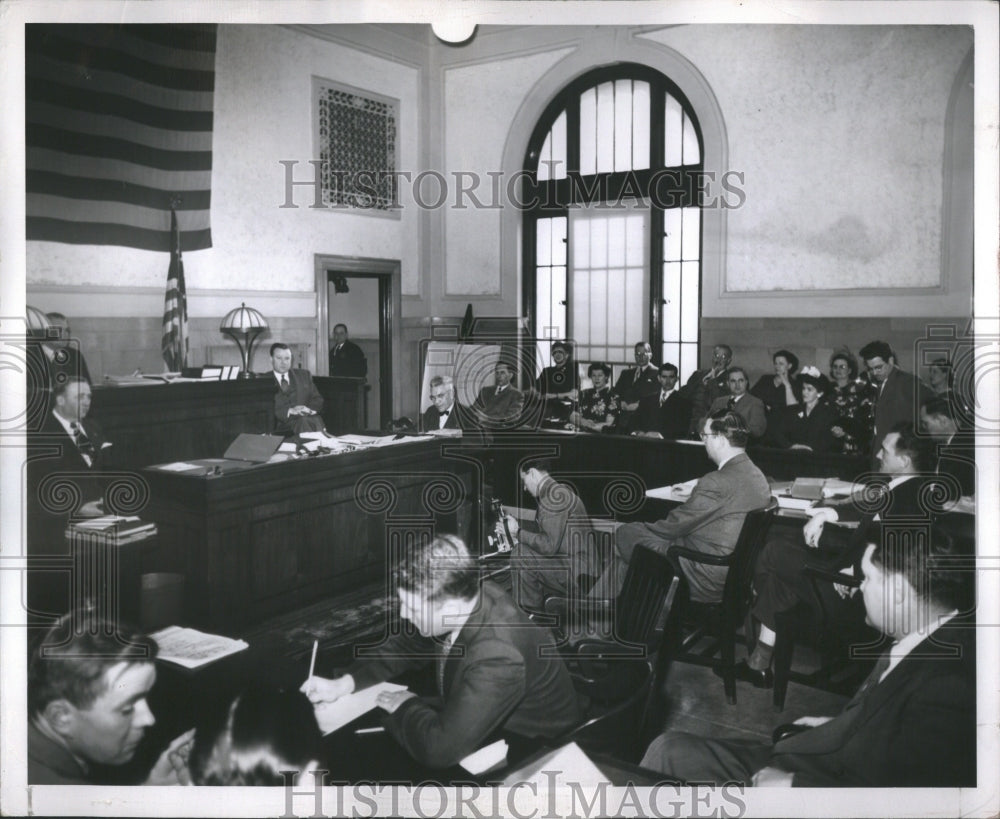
point(387, 271)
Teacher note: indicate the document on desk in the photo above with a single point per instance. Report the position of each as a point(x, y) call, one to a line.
point(674, 492)
point(569, 762)
point(336, 714)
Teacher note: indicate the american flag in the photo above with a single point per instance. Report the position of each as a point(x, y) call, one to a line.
point(118, 125)
point(175, 310)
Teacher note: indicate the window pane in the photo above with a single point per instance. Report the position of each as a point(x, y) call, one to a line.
point(635, 240)
point(623, 125)
point(690, 301)
point(640, 125)
point(544, 158)
point(673, 125)
point(690, 234)
point(550, 276)
point(588, 132)
point(689, 360)
point(559, 147)
point(543, 242)
point(605, 127)
point(672, 296)
point(670, 354)
point(672, 235)
point(692, 155)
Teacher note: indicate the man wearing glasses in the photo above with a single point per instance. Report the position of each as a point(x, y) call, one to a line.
point(710, 520)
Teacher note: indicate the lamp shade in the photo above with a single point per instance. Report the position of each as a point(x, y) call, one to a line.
point(243, 319)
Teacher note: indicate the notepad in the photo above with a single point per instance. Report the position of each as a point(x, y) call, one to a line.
point(336, 714)
point(570, 764)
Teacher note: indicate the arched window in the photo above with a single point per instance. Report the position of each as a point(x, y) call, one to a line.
point(612, 218)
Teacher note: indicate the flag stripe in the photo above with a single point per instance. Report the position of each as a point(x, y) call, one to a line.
point(42, 91)
point(86, 56)
point(118, 127)
point(83, 233)
point(175, 319)
point(112, 169)
point(56, 184)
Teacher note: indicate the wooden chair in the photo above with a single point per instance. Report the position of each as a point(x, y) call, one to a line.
point(721, 621)
point(627, 705)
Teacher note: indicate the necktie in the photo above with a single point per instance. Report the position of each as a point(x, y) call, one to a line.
point(881, 665)
point(81, 440)
point(731, 404)
point(284, 382)
point(442, 659)
point(663, 398)
point(443, 419)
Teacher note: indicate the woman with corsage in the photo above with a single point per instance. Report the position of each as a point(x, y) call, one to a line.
point(853, 399)
point(809, 424)
point(599, 406)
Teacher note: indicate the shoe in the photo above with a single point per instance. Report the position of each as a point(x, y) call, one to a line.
point(759, 679)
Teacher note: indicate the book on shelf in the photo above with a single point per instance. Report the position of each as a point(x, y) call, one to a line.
point(191, 648)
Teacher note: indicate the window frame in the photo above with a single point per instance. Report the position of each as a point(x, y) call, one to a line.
point(553, 196)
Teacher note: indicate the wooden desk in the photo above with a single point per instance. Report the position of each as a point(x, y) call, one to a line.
point(163, 422)
point(271, 538)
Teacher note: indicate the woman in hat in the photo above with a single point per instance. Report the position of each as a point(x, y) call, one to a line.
point(809, 424)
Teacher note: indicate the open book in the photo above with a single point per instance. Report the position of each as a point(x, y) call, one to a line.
point(191, 648)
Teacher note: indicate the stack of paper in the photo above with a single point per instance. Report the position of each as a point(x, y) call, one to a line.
point(191, 648)
point(122, 529)
point(336, 714)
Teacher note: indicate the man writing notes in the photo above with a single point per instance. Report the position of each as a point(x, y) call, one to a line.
point(710, 520)
point(491, 672)
point(911, 724)
point(548, 560)
point(297, 402)
point(87, 689)
point(444, 411)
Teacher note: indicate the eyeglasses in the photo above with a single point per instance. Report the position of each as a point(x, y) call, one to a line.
point(706, 435)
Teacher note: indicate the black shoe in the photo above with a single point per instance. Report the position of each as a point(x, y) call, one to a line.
point(759, 679)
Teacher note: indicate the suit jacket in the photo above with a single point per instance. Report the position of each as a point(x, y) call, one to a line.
point(790, 425)
point(564, 534)
point(494, 677)
point(631, 387)
point(702, 393)
point(709, 521)
point(50, 763)
point(491, 409)
point(348, 362)
point(301, 390)
point(916, 728)
point(670, 419)
point(898, 400)
point(430, 418)
point(52, 451)
point(750, 407)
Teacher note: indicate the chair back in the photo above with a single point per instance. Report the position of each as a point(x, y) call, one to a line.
point(625, 729)
point(646, 598)
point(736, 595)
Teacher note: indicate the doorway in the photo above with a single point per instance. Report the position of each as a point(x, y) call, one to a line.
point(362, 294)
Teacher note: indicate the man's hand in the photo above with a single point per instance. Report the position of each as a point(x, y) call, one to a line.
point(630, 407)
point(391, 700)
point(842, 590)
point(172, 768)
point(814, 528)
point(812, 722)
point(320, 690)
point(512, 525)
point(301, 409)
point(772, 778)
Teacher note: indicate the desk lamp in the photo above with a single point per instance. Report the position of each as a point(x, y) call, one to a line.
point(246, 323)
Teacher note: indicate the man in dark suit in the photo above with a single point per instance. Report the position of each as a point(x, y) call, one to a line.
point(491, 672)
point(742, 403)
point(665, 414)
point(898, 394)
point(297, 402)
point(444, 411)
point(346, 358)
point(705, 385)
point(70, 446)
point(635, 383)
point(908, 492)
point(709, 521)
point(502, 404)
point(956, 451)
point(912, 723)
